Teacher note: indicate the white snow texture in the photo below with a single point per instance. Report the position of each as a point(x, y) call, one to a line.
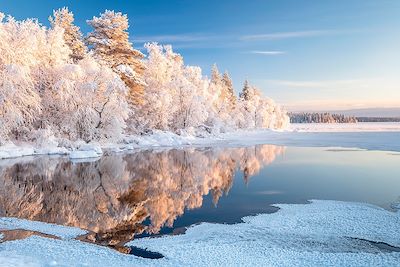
point(323, 233)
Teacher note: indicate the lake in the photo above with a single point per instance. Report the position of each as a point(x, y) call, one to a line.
point(121, 197)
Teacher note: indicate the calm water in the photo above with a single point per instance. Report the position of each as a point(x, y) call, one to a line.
point(120, 197)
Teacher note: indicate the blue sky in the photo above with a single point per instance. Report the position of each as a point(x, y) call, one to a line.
point(307, 55)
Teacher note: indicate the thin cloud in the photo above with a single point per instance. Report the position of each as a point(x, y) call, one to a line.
point(173, 38)
point(288, 35)
point(325, 84)
point(268, 53)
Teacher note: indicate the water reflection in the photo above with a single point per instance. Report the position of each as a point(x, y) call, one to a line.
point(120, 196)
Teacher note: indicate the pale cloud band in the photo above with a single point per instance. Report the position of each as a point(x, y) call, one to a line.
point(371, 83)
point(293, 34)
point(267, 53)
point(337, 94)
point(199, 39)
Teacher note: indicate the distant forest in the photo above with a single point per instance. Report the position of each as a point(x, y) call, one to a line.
point(378, 119)
point(320, 118)
point(326, 117)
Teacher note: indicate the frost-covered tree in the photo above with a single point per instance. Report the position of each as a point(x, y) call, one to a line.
point(41, 87)
point(53, 54)
point(94, 98)
point(321, 118)
point(110, 43)
point(173, 97)
point(64, 19)
point(19, 103)
point(258, 111)
point(215, 74)
point(191, 107)
point(230, 93)
point(46, 92)
point(156, 112)
point(246, 91)
point(220, 115)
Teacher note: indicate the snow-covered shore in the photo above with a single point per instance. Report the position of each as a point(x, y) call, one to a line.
point(374, 136)
point(328, 233)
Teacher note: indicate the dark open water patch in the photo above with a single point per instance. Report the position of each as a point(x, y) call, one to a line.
point(144, 253)
point(382, 246)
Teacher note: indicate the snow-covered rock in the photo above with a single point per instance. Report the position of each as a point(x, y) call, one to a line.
point(10, 150)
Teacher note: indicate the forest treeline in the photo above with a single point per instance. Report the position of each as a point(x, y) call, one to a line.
point(308, 117)
point(54, 81)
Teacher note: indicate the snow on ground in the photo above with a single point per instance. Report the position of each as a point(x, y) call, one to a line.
point(86, 151)
point(45, 228)
point(12, 151)
point(346, 127)
point(374, 136)
point(378, 140)
point(323, 233)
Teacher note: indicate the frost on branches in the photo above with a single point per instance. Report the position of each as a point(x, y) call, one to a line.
point(110, 43)
point(53, 84)
point(64, 19)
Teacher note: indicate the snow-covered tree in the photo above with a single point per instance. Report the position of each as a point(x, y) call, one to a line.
point(50, 85)
point(258, 111)
point(173, 97)
point(246, 91)
point(94, 98)
point(19, 103)
point(215, 74)
point(191, 108)
point(222, 101)
point(110, 43)
point(64, 19)
point(230, 93)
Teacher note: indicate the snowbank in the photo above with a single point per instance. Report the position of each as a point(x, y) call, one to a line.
point(346, 127)
point(45, 228)
point(12, 151)
point(373, 136)
point(323, 233)
point(83, 151)
point(86, 151)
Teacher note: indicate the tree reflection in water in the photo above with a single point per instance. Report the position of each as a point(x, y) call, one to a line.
point(114, 197)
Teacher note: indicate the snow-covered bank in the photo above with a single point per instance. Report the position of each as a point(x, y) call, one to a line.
point(323, 233)
point(64, 232)
point(373, 136)
point(346, 127)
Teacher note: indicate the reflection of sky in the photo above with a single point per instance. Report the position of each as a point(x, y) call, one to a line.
point(308, 173)
point(301, 174)
point(184, 187)
point(305, 54)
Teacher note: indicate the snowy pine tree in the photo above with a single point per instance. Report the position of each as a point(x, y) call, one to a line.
point(215, 75)
point(110, 43)
point(64, 19)
point(230, 93)
point(246, 91)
